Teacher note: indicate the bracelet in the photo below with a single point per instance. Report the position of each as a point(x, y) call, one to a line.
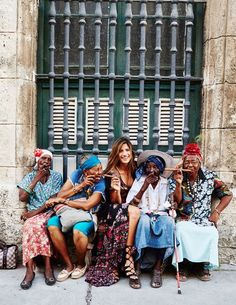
point(135, 199)
point(28, 190)
point(217, 211)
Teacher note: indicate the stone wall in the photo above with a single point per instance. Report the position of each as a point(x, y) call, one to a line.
point(219, 110)
point(18, 42)
point(18, 46)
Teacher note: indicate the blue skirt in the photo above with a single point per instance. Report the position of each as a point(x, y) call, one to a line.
point(154, 232)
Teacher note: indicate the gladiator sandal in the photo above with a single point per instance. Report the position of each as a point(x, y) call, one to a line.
point(134, 280)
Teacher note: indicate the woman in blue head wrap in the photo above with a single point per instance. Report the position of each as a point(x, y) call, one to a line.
point(84, 189)
point(154, 238)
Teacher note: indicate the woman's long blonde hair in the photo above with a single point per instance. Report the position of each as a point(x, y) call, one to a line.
point(113, 159)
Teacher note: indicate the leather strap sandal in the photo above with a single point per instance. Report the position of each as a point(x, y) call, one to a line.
point(134, 280)
point(204, 275)
point(27, 284)
point(183, 276)
point(156, 281)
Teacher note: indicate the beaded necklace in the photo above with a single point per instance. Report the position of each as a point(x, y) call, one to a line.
point(193, 189)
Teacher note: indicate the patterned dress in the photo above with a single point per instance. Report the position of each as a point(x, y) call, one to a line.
point(110, 242)
point(35, 237)
point(198, 237)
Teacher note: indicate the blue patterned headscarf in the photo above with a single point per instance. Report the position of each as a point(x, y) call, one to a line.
point(141, 169)
point(89, 163)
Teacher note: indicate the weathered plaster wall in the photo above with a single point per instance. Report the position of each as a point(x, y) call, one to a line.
point(18, 39)
point(219, 110)
point(18, 46)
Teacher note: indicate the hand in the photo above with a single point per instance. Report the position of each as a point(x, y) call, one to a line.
point(150, 179)
point(178, 176)
point(89, 180)
point(115, 183)
point(25, 215)
point(214, 217)
point(43, 172)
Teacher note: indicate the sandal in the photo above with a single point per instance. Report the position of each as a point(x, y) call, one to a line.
point(134, 280)
point(156, 281)
point(204, 275)
point(183, 277)
point(115, 275)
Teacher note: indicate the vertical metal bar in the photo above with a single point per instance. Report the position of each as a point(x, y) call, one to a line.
point(173, 51)
point(112, 52)
point(97, 75)
point(158, 23)
point(142, 76)
point(66, 75)
point(80, 128)
point(128, 24)
point(51, 74)
point(188, 55)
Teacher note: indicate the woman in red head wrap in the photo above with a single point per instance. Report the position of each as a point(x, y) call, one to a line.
point(196, 220)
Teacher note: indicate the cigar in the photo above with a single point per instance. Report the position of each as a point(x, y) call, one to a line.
point(177, 169)
point(110, 176)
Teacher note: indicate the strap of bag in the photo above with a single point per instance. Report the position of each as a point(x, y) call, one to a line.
point(2, 244)
point(4, 262)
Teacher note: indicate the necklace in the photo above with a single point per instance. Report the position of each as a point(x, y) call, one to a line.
point(193, 189)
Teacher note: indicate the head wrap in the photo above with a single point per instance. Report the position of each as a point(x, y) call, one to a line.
point(192, 149)
point(158, 162)
point(39, 153)
point(90, 162)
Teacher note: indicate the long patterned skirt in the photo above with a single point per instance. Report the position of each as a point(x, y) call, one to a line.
point(109, 248)
point(35, 237)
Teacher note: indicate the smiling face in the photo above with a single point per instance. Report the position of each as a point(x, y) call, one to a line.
point(95, 171)
point(125, 154)
point(192, 163)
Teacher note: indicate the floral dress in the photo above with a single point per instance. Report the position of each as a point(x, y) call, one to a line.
point(197, 236)
point(110, 242)
point(35, 236)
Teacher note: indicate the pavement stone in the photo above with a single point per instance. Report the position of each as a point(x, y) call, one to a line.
point(219, 291)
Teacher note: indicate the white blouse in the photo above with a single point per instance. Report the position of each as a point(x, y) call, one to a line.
point(154, 199)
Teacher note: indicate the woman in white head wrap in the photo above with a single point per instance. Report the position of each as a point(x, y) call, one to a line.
point(35, 189)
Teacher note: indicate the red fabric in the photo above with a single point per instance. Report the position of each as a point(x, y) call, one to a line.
point(192, 149)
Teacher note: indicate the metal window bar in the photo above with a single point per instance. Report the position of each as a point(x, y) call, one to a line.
point(112, 52)
point(128, 25)
point(66, 76)
point(188, 54)
point(51, 75)
point(142, 76)
point(173, 51)
point(81, 48)
point(158, 23)
point(112, 76)
point(97, 75)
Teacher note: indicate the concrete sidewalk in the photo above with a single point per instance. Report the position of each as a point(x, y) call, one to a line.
point(221, 290)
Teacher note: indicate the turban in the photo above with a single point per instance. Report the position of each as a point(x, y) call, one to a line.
point(158, 162)
point(192, 149)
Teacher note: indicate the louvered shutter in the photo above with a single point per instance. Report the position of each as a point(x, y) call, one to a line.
point(164, 121)
point(103, 120)
point(134, 120)
point(58, 119)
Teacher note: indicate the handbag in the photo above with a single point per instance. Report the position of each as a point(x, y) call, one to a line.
point(8, 255)
point(70, 216)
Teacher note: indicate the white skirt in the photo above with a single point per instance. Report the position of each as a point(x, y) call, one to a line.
point(197, 243)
